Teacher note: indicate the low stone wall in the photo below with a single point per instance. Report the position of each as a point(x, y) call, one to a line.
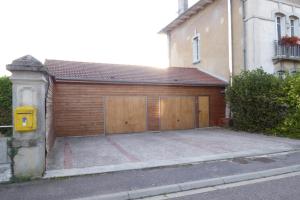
point(5, 166)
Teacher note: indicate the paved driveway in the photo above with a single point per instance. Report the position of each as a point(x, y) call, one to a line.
point(84, 155)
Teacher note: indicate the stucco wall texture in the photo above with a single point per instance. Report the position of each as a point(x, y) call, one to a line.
point(211, 23)
point(237, 37)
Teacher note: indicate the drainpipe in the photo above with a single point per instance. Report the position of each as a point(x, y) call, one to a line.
point(244, 35)
point(230, 53)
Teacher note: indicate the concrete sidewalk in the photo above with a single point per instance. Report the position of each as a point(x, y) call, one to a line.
point(110, 183)
point(89, 155)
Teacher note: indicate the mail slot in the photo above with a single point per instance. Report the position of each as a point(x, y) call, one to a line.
point(25, 119)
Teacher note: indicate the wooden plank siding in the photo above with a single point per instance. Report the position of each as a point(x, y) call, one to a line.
point(203, 111)
point(80, 107)
point(153, 113)
point(197, 112)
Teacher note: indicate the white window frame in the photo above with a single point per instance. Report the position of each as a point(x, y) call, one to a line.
point(196, 48)
point(282, 25)
point(295, 26)
point(292, 27)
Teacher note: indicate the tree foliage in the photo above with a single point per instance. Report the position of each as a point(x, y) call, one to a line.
point(5, 104)
point(291, 124)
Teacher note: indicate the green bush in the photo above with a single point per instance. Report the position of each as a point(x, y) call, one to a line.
point(5, 104)
point(254, 101)
point(291, 125)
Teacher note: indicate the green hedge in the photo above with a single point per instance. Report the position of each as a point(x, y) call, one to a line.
point(5, 104)
point(253, 99)
point(261, 102)
point(291, 125)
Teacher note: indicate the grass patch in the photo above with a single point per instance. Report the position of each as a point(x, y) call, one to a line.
point(22, 179)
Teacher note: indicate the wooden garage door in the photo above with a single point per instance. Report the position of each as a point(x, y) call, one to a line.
point(125, 114)
point(177, 113)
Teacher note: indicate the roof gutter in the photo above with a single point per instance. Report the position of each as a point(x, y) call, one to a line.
point(140, 83)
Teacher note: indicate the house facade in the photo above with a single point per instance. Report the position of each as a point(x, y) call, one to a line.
point(266, 22)
point(224, 37)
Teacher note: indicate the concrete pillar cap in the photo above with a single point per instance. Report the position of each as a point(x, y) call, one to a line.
point(26, 63)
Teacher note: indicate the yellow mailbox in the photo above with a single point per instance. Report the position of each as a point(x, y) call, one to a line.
point(25, 119)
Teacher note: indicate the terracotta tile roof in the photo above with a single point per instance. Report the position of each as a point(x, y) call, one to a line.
point(129, 74)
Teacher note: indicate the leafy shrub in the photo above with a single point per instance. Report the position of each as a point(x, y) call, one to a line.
point(291, 125)
point(5, 105)
point(254, 101)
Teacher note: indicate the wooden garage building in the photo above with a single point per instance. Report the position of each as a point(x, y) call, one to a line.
point(94, 98)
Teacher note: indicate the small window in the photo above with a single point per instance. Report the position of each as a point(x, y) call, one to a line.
point(280, 21)
point(278, 27)
point(196, 49)
point(292, 27)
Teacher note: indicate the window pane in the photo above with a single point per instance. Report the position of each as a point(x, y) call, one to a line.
point(292, 27)
point(279, 28)
point(196, 50)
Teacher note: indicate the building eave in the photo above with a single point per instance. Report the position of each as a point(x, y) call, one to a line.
point(200, 5)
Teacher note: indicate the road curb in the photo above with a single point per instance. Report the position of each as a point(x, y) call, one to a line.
point(181, 187)
point(116, 196)
point(150, 191)
point(200, 184)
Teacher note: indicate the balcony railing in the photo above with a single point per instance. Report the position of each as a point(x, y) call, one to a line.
point(286, 52)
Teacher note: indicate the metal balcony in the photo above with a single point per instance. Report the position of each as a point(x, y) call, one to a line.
point(286, 52)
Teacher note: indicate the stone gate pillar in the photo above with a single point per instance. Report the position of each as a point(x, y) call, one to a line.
point(30, 82)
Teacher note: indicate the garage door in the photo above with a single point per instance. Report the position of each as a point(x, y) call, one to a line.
point(177, 113)
point(125, 114)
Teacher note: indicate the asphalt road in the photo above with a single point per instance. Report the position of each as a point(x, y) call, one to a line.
point(110, 183)
point(281, 189)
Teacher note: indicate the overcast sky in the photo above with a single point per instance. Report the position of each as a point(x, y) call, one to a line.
point(111, 31)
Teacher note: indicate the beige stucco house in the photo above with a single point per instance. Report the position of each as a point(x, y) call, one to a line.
point(224, 37)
